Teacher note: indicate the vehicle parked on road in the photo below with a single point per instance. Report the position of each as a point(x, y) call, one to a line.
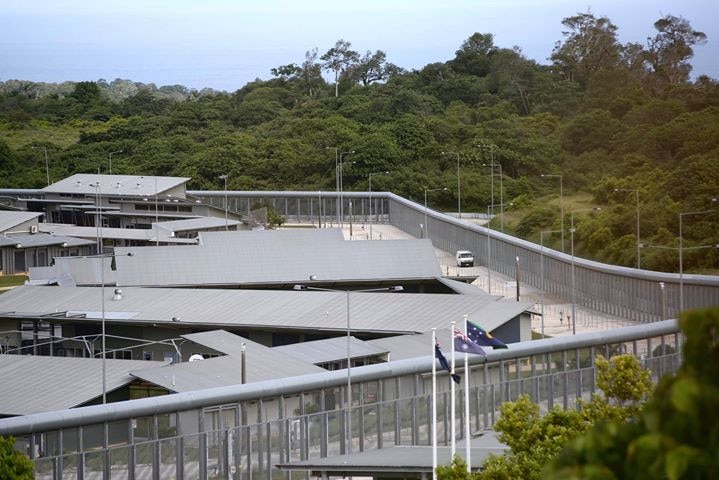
point(464, 258)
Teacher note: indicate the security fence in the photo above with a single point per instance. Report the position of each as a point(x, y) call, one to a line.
point(636, 295)
point(245, 431)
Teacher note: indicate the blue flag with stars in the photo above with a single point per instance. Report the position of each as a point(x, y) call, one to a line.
point(463, 344)
point(483, 338)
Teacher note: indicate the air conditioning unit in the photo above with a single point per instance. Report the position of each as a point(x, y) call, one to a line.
point(33, 228)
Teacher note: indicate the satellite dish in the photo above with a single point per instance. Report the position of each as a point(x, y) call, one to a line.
point(196, 357)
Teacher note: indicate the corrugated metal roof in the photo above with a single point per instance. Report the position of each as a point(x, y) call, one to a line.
point(263, 363)
point(33, 383)
point(274, 238)
point(262, 257)
point(115, 185)
point(330, 350)
point(140, 234)
point(219, 340)
point(9, 220)
point(463, 288)
point(196, 223)
point(412, 346)
point(31, 240)
point(381, 312)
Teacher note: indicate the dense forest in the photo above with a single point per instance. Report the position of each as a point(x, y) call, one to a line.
point(621, 124)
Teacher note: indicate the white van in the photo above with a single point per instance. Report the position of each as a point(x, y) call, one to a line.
point(464, 258)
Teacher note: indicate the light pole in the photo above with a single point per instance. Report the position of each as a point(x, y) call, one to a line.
point(370, 199)
point(517, 263)
point(541, 270)
point(561, 202)
point(459, 185)
point(224, 177)
point(489, 247)
point(425, 205)
point(681, 259)
point(337, 182)
point(574, 285)
point(636, 192)
point(110, 158)
point(681, 267)
point(342, 208)
point(101, 257)
point(501, 193)
point(491, 178)
point(47, 168)
point(397, 288)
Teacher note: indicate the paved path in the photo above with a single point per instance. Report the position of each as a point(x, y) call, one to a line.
point(557, 311)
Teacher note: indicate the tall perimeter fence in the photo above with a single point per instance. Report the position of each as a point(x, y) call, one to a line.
point(246, 431)
point(636, 295)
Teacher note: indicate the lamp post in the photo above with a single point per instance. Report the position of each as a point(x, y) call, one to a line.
point(459, 185)
point(47, 168)
point(574, 286)
point(337, 182)
point(224, 177)
point(370, 199)
point(491, 161)
point(110, 158)
point(636, 192)
point(561, 202)
point(681, 268)
point(342, 208)
point(397, 288)
point(681, 259)
point(541, 270)
point(425, 205)
point(517, 264)
point(501, 192)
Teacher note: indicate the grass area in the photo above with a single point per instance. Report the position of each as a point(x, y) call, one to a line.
point(12, 280)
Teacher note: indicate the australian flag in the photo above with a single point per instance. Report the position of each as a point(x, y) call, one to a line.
point(463, 344)
point(443, 361)
point(483, 338)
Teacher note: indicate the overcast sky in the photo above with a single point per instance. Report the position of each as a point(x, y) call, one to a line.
point(223, 44)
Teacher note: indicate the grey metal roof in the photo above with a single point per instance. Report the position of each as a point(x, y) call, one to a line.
point(399, 459)
point(34, 383)
point(401, 347)
point(220, 341)
point(31, 240)
point(263, 363)
point(331, 350)
point(113, 233)
point(9, 220)
point(263, 257)
point(461, 287)
point(82, 270)
point(115, 185)
point(381, 312)
point(274, 239)
point(196, 223)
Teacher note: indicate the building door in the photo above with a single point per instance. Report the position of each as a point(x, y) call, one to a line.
point(20, 261)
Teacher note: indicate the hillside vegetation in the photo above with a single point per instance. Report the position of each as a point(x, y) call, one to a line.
point(608, 117)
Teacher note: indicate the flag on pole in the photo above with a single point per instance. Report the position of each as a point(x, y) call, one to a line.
point(445, 364)
point(482, 337)
point(463, 344)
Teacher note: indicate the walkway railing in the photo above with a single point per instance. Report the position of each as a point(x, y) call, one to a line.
point(636, 295)
point(244, 431)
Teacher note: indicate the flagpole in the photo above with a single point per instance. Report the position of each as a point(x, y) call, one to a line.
point(434, 406)
point(451, 397)
point(466, 404)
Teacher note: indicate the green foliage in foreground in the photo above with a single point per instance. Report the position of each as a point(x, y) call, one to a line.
point(534, 440)
point(675, 436)
point(13, 465)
